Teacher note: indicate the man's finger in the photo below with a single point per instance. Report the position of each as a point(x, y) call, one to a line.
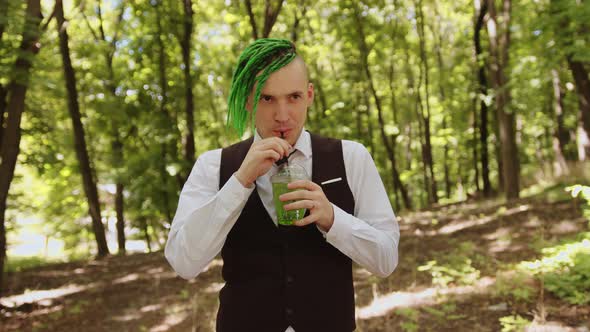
point(305, 221)
point(302, 204)
point(296, 195)
point(304, 184)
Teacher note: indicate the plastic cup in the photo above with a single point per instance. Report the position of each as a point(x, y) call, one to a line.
point(286, 174)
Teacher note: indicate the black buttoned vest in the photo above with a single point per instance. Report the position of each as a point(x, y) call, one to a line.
point(286, 275)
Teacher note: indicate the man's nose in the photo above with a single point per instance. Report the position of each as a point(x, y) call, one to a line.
point(282, 112)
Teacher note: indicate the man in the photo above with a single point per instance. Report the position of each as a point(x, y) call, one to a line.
point(282, 278)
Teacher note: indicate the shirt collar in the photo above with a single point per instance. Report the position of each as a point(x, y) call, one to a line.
point(303, 143)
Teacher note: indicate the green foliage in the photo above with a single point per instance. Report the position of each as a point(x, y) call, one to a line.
point(453, 267)
point(18, 264)
point(445, 313)
point(513, 323)
point(565, 269)
point(573, 284)
point(513, 283)
point(184, 294)
point(584, 192)
point(411, 317)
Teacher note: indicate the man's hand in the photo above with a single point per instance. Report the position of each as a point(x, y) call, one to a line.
point(313, 198)
point(260, 157)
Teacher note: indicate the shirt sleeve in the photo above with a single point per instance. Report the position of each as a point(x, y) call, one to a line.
point(204, 217)
point(370, 237)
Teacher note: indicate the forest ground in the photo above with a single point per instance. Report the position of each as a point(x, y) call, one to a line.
point(140, 292)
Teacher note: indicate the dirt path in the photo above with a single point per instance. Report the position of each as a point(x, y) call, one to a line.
point(141, 293)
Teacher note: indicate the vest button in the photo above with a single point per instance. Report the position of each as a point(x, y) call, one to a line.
point(285, 246)
point(290, 279)
point(289, 311)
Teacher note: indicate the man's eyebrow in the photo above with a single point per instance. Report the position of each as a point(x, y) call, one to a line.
point(297, 92)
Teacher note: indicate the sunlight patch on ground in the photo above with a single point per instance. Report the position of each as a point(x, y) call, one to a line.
point(565, 227)
point(155, 270)
point(175, 315)
point(214, 263)
point(127, 278)
point(127, 317)
point(214, 287)
point(151, 307)
point(39, 295)
point(429, 296)
point(502, 239)
point(461, 225)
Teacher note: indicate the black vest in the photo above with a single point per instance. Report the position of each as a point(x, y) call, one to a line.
point(286, 275)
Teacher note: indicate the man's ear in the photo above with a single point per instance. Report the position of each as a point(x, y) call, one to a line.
point(310, 94)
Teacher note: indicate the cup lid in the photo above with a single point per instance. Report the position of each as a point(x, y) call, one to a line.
point(289, 172)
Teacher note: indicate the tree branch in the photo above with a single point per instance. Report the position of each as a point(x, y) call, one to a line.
point(252, 19)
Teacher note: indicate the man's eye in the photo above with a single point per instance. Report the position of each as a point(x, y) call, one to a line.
point(266, 98)
point(296, 96)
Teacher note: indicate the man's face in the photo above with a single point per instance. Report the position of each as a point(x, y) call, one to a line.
point(285, 97)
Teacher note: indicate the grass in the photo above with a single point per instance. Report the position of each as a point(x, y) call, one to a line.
point(21, 263)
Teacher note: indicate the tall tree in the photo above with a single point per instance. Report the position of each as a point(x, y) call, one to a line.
point(79, 136)
point(560, 134)
point(426, 117)
point(3, 89)
point(164, 113)
point(185, 44)
point(498, 28)
point(271, 13)
point(480, 12)
point(364, 49)
point(110, 47)
point(583, 91)
point(569, 21)
point(437, 32)
point(11, 135)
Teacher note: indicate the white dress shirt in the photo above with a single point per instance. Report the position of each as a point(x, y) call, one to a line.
point(206, 213)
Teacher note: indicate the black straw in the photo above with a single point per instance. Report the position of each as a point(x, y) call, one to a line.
point(284, 159)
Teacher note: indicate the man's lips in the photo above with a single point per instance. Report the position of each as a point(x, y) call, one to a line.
point(281, 132)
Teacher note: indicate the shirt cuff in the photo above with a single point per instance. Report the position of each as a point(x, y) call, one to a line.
point(233, 191)
point(341, 228)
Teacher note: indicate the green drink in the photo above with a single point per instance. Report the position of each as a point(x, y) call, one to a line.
point(286, 174)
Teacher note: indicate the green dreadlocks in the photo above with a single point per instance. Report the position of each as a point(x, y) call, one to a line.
point(267, 55)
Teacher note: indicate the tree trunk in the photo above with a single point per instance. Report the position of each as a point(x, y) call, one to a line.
point(3, 90)
point(446, 162)
point(252, 19)
point(146, 234)
point(583, 90)
point(560, 134)
point(118, 161)
point(427, 153)
point(80, 141)
point(119, 206)
point(169, 119)
point(9, 149)
point(398, 188)
point(3, 101)
point(499, 36)
point(437, 33)
point(297, 21)
point(189, 151)
point(367, 114)
point(270, 16)
point(3, 9)
point(388, 147)
point(474, 145)
point(481, 10)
